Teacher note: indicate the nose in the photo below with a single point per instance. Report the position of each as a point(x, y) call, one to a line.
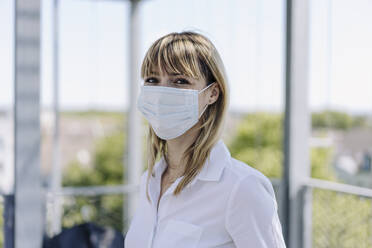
point(163, 81)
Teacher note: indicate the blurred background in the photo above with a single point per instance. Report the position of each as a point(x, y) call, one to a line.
point(72, 144)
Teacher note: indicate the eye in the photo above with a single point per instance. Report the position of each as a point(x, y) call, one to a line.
point(150, 80)
point(181, 81)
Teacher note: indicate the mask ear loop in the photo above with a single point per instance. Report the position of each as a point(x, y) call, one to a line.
point(203, 111)
point(206, 87)
point(207, 104)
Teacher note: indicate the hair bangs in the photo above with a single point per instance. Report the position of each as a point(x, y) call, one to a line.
point(172, 56)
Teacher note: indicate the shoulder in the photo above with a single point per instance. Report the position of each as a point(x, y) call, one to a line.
point(243, 175)
point(251, 208)
point(250, 191)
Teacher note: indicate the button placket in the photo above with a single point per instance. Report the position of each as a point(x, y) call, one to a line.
point(154, 196)
point(163, 206)
point(154, 230)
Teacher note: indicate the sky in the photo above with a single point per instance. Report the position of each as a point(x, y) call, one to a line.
point(249, 35)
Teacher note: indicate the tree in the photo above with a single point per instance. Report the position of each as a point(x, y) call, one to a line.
point(258, 142)
point(332, 119)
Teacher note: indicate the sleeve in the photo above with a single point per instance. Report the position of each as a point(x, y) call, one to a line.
point(251, 215)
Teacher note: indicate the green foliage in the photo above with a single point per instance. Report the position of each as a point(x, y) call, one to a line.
point(258, 130)
point(266, 160)
point(332, 119)
point(107, 169)
point(361, 121)
point(341, 220)
point(320, 163)
point(258, 143)
point(94, 114)
point(105, 210)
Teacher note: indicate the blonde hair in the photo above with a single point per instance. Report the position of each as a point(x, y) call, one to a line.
point(193, 55)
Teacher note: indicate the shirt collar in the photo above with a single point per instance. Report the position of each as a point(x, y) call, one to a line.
point(212, 168)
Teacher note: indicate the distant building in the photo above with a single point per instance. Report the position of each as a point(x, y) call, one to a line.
point(353, 160)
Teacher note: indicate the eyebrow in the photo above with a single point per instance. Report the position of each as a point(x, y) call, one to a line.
point(176, 74)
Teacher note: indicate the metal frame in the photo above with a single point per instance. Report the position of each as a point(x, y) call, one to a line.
point(94, 190)
point(297, 123)
point(339, 187)
point(134, 142)
point(28, 229)
point(56, 182)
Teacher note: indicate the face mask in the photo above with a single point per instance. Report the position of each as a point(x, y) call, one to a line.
point(170, 111)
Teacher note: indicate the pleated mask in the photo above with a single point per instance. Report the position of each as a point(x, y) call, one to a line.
point(170, 111)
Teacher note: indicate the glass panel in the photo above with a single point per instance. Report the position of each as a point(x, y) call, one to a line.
point(92, 115)
point(340, 96)
point(6, 107)
point(341, 135)
point(92, 92)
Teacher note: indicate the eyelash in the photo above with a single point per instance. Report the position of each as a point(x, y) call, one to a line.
point(184, 81)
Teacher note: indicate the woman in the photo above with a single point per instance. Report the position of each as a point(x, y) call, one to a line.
point(196, 194)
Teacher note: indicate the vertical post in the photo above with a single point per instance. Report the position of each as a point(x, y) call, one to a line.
point(56, 169)
point(308, 217)
point(297, 122)
point(134, 141)
point(329, 56)
point(28, 195)
point(9, 221)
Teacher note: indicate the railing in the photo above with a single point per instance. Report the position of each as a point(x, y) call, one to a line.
point(100, 204)
point(340, 214)
point(335, 215)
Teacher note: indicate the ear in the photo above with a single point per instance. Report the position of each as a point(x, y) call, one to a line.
point(214, 93)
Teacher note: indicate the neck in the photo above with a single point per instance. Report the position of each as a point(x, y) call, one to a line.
point(176, 148)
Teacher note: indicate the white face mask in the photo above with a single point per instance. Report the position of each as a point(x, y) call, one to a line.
point(170, 111)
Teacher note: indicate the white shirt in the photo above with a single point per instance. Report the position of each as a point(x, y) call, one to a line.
point(228, 204)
